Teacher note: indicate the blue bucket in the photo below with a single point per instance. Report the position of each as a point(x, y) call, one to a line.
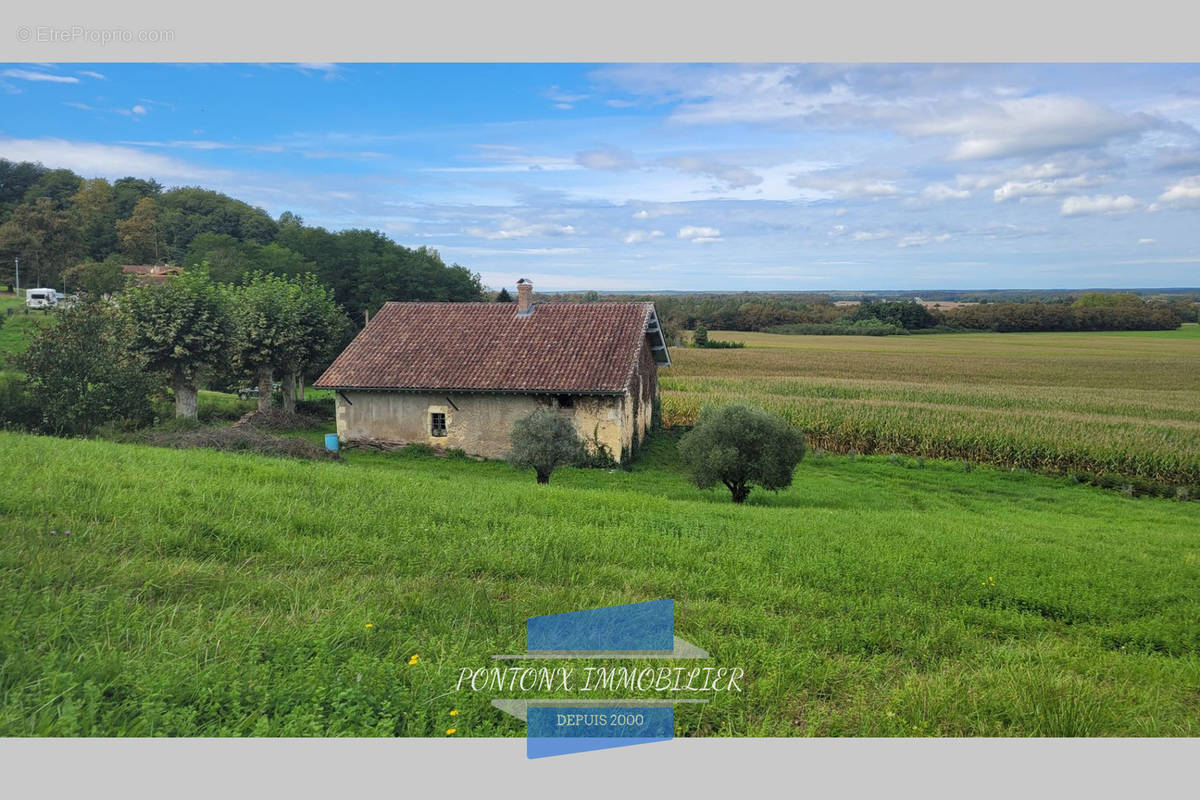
point(331, 442)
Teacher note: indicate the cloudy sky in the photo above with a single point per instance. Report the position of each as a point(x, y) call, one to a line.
point(662, 176)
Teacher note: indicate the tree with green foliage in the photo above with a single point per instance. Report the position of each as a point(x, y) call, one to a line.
point(741, 447)
point(1107, 300)
point(189, 211)
point(15, 179)
point(127, 191)
point(95, 279)
point(544, 441)
point(269, 330)
point(95, 216)
point(138, 235)
point(700, 336)
point(81, 374)
point(322, 327)
point(503, 296)
point(44, 237)
point(182, 327)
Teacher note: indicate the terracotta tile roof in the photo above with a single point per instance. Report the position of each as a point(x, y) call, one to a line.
point(150, 273)
point(560, 347)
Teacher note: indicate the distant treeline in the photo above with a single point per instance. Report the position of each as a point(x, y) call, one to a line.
point(71, 233)
point(817, 313)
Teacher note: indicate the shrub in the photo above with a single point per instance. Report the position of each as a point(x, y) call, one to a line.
point(741, 447)
point(545, 441)
point(17, 409)
point(81, 373)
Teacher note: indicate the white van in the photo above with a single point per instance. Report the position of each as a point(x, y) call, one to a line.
point(41, 298)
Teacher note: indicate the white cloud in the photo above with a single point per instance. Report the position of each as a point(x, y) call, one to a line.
point(699, 234)
point(661, 210)
point(87, 73)
point(847, 185)
point(563, 99)
point(1029, 125)
point(139, 110)
point(871, 236)
point(1100, 204)
point(1145, 241)
point(940, 192)
point(1184, 194)
point(92, 159)
point(608, 158)
point(733, 177)
point(918, 239)
point(30, 75)
point(637, 237)
point(1019, 190)
point(517, 229)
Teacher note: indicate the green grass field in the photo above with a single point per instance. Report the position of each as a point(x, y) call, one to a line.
point(16, 329)
point(1125, 402)
point(202, 593)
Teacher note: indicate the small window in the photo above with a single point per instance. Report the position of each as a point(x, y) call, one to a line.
point(566, 401)
point(437, 424)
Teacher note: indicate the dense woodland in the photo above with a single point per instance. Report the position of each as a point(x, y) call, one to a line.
point(73, 233)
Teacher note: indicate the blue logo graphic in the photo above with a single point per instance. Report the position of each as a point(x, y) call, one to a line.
point(627, 629)
point(634, 631)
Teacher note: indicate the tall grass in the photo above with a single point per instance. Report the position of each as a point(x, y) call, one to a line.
point(205, 593)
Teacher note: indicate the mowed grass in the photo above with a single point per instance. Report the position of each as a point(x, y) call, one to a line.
point(202, 593)
point(1126, 402)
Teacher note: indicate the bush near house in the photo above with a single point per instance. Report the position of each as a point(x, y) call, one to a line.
point(545, 441)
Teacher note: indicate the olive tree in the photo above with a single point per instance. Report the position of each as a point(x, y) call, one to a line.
point(544, 441)
point(181, 327)
point(741, 447)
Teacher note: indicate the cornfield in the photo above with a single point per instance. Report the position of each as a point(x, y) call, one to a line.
point(1123, 404)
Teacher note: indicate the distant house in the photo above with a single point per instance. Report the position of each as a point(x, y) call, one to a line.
point(458, 375)
point(150, 273)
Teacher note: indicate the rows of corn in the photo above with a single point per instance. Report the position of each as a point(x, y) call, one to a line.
point(1073, 409)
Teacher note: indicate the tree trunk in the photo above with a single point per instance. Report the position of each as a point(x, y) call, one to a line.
point(264, 388)
point(185, 397)
point(740, 492)
point(300, 380)
point(289, 393)
point(543, 477)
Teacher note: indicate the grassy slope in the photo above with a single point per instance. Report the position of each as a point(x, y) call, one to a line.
point(15, 330)
point(205, 593)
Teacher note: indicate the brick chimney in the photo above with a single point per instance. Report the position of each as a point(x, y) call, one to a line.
point(524, 297)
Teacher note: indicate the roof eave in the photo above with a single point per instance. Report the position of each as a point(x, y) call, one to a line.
point(463, 390)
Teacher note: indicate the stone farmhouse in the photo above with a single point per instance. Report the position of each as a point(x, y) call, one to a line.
point(458, 375)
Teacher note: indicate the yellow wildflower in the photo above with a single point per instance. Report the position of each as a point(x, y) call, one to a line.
point(414, 659)
point(454, 713)
point(451, 731)
point(370, 625)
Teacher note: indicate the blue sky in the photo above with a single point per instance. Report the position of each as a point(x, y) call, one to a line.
point(672, 176)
